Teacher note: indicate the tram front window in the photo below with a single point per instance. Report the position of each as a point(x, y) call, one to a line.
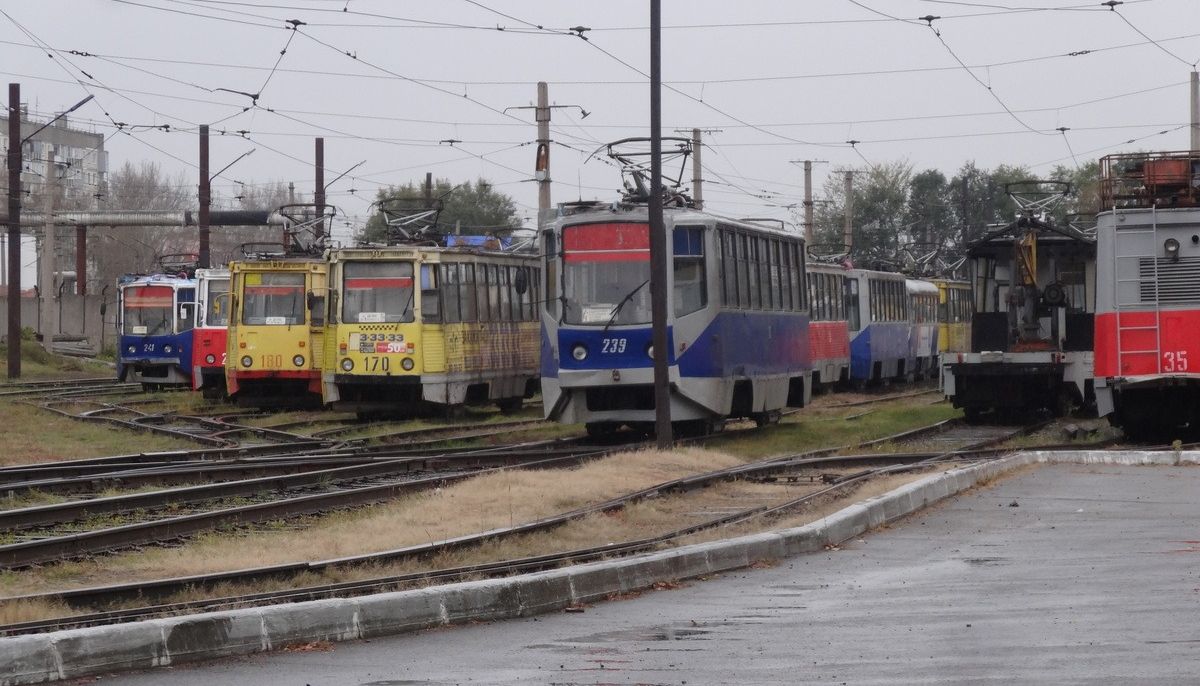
point(217, 303)
point(606, 274)
point(148, 310)
point(273, 299)
point(377, 292)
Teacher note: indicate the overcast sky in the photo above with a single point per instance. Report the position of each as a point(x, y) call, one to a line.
point(781, 81)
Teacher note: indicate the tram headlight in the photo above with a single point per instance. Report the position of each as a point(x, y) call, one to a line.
point(210, 359)
point(247, 360)
point(298, 360)
point(408, 364)
point(167, 349)
point(650, 351)
point(132, 349)
point(347, 364)
point(1171, 246)
point(579, 352)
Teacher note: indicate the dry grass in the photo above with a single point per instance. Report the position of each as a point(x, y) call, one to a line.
point(32, 435)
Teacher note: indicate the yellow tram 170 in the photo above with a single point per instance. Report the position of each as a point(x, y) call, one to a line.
point(274, 353)
point(954, 316)
point(415, 327)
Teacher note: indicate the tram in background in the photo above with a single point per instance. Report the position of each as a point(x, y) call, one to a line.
point(439, 323)
point(275, 343)
point(833, 314)
point(154, 325)
point(209, 335)
point(1147, 328)
point(1034, 288)
point(954, 315)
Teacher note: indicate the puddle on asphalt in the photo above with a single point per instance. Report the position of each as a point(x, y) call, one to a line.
point(658, 633)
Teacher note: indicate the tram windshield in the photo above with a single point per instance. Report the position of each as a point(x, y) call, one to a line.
point(606, 274)
point(273, 299)
point(148, 310)
point(377, 292)
point(216, 303)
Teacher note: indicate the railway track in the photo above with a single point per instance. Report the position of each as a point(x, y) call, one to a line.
point(960, 443)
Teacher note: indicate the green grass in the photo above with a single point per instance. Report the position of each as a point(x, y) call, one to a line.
point(829, 428)
point(39, 364)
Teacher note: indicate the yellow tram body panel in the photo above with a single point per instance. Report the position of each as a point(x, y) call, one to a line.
point(395, 337)
point(275, 345)
point(954, 316)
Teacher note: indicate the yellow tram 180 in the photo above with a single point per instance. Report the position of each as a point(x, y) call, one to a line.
point(954, 315)
point(276, 331)
point(418, 327)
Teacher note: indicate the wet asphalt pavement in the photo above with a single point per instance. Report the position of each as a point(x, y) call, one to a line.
point(1059, 574)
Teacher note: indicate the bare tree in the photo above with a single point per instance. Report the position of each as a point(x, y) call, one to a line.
point(131, 250)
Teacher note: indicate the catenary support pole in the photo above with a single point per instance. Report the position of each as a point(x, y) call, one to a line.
point(1195, 111)
point(14, 230)
point(697, 175)
point(658, 240)
point(808, 202)
point(205, 199)
point(81, 276)
point(319, 186)
point(542, 116)
point(48, 264)
point(848, 228)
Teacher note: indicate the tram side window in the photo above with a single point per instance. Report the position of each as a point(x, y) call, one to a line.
point(812, 290)
point(450, 294)
point(494, 293)
point(853, 317)
point(787, 277)
point(216, 311)
point(691, 288)
point(550, 257)
point(430, 301)
point(467, 288)
point(186, 318)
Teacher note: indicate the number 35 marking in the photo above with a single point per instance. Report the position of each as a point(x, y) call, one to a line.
point(1175, 361)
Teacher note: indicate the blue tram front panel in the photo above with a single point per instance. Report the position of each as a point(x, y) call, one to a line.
point(155, 326)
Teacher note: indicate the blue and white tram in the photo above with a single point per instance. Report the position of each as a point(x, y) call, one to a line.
point(157, 314)
point(737, 319)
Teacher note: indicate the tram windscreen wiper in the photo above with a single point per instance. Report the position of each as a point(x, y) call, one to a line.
point(628, 296)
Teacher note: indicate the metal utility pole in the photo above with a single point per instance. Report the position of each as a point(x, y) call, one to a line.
point(48, 264)
point(319, 189)
point(697, 177)
point(1195, 111)
point(848, 229)
point(81, 260)
point(205, 198)
point(428, 189)
point(291, 193)
point(658, 241)
point(542, 170)
point(14, 230)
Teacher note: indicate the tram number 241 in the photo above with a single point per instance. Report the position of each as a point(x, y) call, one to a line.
point(1176, 361)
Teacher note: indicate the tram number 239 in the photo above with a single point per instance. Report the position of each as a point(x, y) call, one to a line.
point(613, 345)
point(1175, 361)
point(376, 363)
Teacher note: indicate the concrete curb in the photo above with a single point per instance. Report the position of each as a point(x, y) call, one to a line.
point(174, 640)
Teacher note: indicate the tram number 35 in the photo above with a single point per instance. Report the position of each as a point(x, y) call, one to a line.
point(613, 345)
point(1175, 361)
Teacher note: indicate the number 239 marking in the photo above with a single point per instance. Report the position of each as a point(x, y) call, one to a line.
point(1175, 361)
point(613, 345)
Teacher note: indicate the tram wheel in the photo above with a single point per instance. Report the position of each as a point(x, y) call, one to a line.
point(600, 429)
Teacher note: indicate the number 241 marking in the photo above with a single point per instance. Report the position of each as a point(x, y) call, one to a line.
point(1175, 361)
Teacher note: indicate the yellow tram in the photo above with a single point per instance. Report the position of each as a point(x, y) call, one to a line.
point(274, 346)
point(415, 327)
point(954, 316)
